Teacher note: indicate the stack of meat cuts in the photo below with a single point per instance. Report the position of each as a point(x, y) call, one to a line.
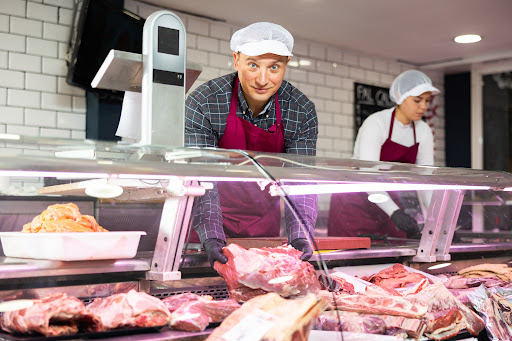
point(191, 312)
point(53, 315)
point(447, 316)
point(133, 309)
point(253, 272)
point(62, 218)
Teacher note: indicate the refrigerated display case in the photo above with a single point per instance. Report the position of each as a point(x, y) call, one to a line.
point(152, 189)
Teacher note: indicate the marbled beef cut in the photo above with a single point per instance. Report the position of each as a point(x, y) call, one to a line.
point(253, 272)
point(53, 315)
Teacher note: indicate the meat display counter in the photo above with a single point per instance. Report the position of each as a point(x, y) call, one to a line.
point(164, 182)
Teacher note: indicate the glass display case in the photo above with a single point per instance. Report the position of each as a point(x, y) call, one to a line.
point(152, 189)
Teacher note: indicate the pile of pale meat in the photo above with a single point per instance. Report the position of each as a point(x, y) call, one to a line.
point(276, 296)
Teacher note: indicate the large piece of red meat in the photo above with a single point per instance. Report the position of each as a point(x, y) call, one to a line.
point(132, 309)
point(53, 315)
point(253, 272)
point(191, 312)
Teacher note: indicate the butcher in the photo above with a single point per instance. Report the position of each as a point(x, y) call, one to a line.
point(253, 109)
point(395, 135)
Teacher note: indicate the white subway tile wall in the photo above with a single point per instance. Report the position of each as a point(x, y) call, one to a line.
point(35, 99)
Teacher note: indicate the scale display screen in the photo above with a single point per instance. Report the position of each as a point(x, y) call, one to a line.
point(168, 41)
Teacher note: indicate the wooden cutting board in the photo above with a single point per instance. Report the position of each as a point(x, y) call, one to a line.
point(324, 243)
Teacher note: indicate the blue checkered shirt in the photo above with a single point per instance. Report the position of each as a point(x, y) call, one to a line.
point(206, 113)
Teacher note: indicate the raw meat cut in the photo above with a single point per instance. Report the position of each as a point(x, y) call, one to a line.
point(375, 304)
point(461, 282)
point(191, 312)
point(175, 301)
point(271, 317)
point(132, 309)
point(350, 322)
point(395, 276)
point(62, 218)
point(441, 303)
point(53, 315)
point(339, 283)
point(253, 272)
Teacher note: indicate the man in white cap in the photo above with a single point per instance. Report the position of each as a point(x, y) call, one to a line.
point(252, 109)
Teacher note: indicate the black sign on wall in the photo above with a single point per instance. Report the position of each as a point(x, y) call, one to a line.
point(369, 99)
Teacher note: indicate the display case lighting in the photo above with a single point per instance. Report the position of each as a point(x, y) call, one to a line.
point(363, 187)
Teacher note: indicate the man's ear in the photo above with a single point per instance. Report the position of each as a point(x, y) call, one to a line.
point(236, 60)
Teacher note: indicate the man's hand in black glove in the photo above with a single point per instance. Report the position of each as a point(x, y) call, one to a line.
point(405, 222)
point(303, 245)
point(213, 248)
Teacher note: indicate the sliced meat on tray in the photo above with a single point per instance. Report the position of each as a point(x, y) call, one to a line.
point(191, 312)
point(132, 309)
point(53, 315)
point(253, 272)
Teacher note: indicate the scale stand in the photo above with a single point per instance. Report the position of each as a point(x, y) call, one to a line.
point(160, 74)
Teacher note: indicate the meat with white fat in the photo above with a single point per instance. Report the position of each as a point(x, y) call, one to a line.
point(375, 304)
point(191, 312)
point(441, 302)
point(132, 309)
point(53, 315)
point(253, 272)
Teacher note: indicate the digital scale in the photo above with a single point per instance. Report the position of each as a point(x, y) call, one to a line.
point(161, 74)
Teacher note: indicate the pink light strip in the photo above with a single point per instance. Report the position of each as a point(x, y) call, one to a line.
point(363, 187)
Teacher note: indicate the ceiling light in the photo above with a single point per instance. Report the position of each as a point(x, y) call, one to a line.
point(467, 38)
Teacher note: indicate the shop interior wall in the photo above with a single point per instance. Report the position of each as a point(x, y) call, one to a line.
point(35, 99)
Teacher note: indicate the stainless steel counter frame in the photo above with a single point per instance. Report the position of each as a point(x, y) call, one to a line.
point(11, 268)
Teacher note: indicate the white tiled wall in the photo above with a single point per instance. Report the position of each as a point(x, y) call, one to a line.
point(36, 101)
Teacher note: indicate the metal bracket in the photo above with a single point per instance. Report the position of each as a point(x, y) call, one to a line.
point(439, 226)
point(172, 233)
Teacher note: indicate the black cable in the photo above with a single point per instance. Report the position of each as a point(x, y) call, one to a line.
point(310, 238)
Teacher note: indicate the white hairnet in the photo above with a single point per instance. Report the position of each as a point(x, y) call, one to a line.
point(410, 83)
point(261, 38)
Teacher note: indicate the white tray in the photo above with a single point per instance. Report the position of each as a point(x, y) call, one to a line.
point(71, 246)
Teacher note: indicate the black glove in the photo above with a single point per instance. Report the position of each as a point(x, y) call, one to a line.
point(303, 245)
point(213, 248)
point(405, 222)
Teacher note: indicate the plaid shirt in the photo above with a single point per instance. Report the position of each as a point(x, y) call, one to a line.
point(206, 113)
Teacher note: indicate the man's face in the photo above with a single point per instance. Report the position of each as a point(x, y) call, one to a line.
point(260, 76)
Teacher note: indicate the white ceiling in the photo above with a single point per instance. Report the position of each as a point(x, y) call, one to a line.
point(417, 32)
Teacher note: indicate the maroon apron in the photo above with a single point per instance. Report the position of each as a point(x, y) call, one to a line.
point(247, 211)
point(351, 214)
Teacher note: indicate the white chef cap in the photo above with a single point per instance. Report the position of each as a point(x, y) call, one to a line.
point(262, 37)
point(410, 83)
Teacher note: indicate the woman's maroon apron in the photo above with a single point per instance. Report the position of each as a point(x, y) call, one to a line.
point(247, 211)
point(351, 214)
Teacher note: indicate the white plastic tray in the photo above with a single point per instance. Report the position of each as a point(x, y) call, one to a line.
point(71, 246)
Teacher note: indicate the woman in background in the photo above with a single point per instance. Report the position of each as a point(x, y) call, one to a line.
point(395, 135)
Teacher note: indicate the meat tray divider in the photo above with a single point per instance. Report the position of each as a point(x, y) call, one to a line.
point(437, 234)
